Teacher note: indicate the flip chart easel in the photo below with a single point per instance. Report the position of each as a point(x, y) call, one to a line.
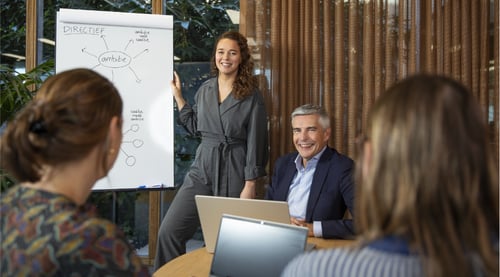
point(135, 52)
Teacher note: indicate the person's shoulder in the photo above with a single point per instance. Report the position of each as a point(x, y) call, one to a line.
point(256, 93)
point(287, 157)
point(334, 155)
point(211, 82)
point(286, 160)
point(12, 194)
point(316, 263)
point(362, 261)
point(102, 226)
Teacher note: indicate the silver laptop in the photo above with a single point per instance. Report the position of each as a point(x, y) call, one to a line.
point(211, 208)
point(253, 247)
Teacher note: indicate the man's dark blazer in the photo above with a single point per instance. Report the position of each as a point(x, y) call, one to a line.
point(332, 191)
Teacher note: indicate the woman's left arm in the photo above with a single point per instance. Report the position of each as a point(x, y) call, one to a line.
point(257, 146)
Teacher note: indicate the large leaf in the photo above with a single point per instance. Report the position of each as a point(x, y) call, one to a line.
point(19, 88)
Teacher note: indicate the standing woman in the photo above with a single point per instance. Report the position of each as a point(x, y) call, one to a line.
point(230, 116)
point(57, 147)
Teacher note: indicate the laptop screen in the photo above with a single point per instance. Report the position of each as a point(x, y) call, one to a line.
point(252, 247)
point(211, 209)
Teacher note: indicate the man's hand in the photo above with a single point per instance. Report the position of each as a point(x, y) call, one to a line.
point(303, 223)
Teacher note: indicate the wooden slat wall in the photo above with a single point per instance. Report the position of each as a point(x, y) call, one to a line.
point(329, 53)
point(343, 54)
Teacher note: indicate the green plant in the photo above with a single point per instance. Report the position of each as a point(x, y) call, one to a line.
point(197, 24)
point(17, 89)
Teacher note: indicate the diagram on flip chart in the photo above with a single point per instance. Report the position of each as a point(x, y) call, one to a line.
point(135, 52)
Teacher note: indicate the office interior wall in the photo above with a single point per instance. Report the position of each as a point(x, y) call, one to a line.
point(344, 54)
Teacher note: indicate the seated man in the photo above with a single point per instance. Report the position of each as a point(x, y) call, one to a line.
point(317, 181)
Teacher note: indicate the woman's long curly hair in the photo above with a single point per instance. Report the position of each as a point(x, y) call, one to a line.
point(245, 81)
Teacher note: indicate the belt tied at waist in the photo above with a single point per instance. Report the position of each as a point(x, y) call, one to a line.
point(221, 140)
point(223, 144)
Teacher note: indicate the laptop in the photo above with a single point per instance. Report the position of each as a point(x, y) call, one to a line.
point(253, 247)
point(211, 208)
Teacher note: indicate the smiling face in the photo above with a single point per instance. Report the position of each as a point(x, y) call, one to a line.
point(227, 56)
point(309, 136)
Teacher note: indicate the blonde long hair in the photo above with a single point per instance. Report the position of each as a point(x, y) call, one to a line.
point(431, 177)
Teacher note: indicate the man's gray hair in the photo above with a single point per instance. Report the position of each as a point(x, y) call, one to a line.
point(307, 109)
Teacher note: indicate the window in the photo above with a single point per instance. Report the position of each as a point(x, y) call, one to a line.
point(197, 24)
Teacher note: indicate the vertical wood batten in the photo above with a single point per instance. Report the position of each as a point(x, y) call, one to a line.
point(287, 59)
point(328, 67)
point(154, 215)
point(402, 47)
point(393, 49)
point(297, 37)
point(379, 48)
point(285, 91)
point(413, 51)
point(339, 77)
point(353, 77)
point(484, 56)
point(438, 27)
point(428, 52)
point(31, 37)
point(307, 52)
point(466, 65)
point(317, 60)
point(368, 68)
point(475, 31)
point(292, 66)
point(496, 90)
point(275, 70)
point(455, 40)
point(447, 37)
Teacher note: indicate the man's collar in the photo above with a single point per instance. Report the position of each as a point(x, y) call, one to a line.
point(298, 159)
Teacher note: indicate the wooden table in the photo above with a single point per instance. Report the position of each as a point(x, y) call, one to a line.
point(197, 262)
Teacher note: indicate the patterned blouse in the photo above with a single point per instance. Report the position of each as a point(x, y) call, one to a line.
point(46, 234)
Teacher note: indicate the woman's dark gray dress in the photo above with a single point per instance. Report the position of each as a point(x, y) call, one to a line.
point(233, 148)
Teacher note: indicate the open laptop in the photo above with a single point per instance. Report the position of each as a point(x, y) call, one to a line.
point(211, 209)
point(253, 247)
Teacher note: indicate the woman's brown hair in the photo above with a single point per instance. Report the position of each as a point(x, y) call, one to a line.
point(68, 117)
